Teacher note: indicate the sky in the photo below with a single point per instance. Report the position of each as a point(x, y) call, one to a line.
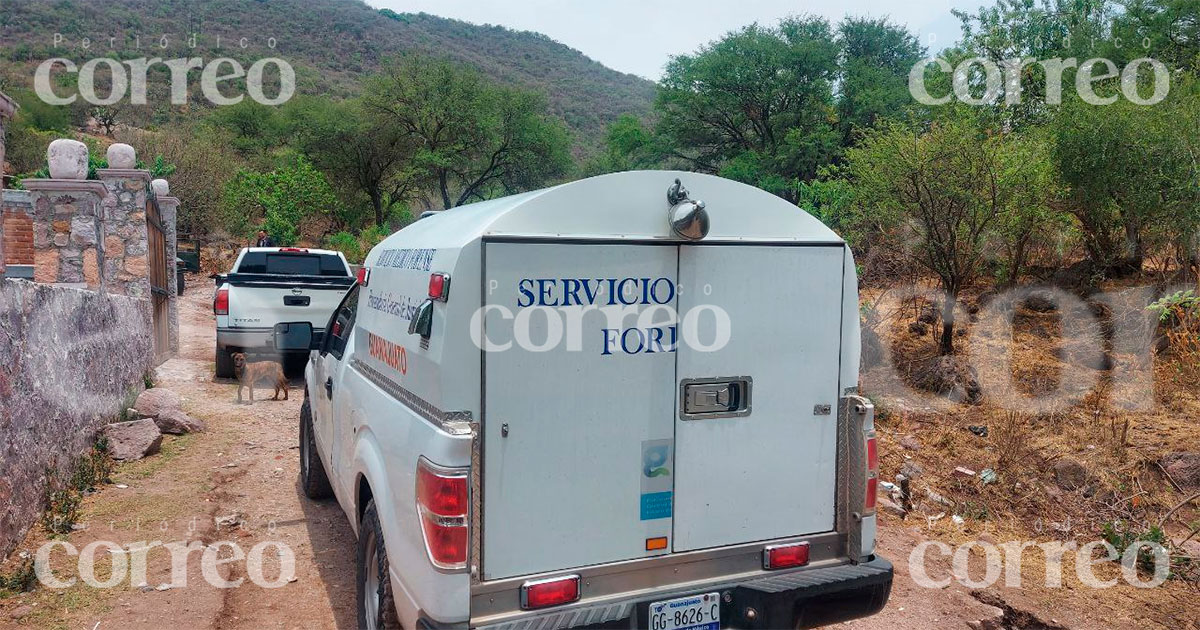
point(639, 36)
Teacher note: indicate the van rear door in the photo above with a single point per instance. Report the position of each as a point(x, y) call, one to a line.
point(756, 432)
point(612, 440)
point(577, 428)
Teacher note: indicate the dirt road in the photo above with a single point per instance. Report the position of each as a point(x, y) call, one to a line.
point(242, 473)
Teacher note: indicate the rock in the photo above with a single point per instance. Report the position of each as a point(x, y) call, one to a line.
point(21, 611)
point(68, 159)
point(891, 508)
point(929, 314)
point(1184, 468)
point(161, 187)
point(156, 400)
point(910, 443)
point(918, 329)
point(176, 422)
point(937, 498)
point(128, 441)
point(121, 156)
point(1069, 474)
point(911, 469)
point(1040, 302)
point(952, 377)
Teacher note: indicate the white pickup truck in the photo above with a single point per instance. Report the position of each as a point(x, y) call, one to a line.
point(628, 410)
point(268, 285)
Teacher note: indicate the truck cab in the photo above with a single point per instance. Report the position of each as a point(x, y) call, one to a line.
point(628, 401)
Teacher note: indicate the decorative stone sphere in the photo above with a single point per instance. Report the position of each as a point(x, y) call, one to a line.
point(68, 159)
point(121, 156)
point(161, 187)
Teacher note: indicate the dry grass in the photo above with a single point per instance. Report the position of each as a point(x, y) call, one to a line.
point(1110, 414)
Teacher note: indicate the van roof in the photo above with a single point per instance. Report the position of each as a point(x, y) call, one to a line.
point(623, 206)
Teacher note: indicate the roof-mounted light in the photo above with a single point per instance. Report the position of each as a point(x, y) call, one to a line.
point(688, 218)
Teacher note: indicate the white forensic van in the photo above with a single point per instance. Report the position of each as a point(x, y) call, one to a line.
point(611, 403)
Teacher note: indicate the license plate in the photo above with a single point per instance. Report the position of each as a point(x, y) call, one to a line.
point(697, 612)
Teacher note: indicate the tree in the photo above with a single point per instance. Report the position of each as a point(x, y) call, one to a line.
point(876, 59)
point(369, 155)
point(106, 116)
point(938, 193)
point(472, 138)
point(1130, 173)
point(756, 105)
point(282, 197)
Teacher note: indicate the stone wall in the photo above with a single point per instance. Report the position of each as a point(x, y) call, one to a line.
point(69, 361)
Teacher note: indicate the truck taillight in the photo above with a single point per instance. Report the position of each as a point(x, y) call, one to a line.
point(364, 275)
point(442, 504)
point(439, 286)
point(872, 474)
point(221, 304)
point(785, 556)
point(549, 592)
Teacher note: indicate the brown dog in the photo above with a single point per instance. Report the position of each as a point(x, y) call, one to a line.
point(250, 373)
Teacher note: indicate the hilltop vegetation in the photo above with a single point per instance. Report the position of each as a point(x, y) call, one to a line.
point(331, 43)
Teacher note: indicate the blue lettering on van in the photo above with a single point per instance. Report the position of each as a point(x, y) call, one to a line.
point(404, 307)
point(640, 340)
point(594, 291)
point(416, 259)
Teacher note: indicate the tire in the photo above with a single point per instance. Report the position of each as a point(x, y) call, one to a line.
point(376, 606)
point(312, 472)
point(224, 363)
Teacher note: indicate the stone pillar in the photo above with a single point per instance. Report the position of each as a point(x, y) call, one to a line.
point(169, 207)
point(127, 263)
point(67, 220)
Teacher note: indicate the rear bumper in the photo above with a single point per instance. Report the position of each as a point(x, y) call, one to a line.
point(253, 339)
point(804, 598)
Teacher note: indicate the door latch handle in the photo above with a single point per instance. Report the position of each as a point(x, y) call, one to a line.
point(329, 387)
point(701, 398)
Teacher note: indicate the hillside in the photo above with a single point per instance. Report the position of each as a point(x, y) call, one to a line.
point(331, 43)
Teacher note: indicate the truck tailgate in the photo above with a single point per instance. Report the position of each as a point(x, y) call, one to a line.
point(605, 440)
point(260, 301)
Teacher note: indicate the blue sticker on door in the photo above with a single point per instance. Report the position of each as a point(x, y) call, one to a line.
point(657, 484)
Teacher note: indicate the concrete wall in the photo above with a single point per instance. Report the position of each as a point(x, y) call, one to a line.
point(69, 360)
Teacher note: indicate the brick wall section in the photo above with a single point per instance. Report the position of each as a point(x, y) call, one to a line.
point(16, 227)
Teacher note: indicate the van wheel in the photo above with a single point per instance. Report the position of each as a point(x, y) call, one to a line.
point(376, 606)
point(312, 472)
point(224, 363)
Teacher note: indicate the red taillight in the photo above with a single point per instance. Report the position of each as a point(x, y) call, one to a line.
point(442, 503)
point(439, 286)
point(551, 592)
point(785, 556)
point(872, 474)
point(221, 304)
point(293, 249)
point(364, 275)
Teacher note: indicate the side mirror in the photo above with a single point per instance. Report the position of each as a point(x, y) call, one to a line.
point(422, 321)
point(296, 336)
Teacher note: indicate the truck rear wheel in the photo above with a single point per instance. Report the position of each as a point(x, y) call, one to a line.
point(224, 363)
point(376, 606)
point(312, 472)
